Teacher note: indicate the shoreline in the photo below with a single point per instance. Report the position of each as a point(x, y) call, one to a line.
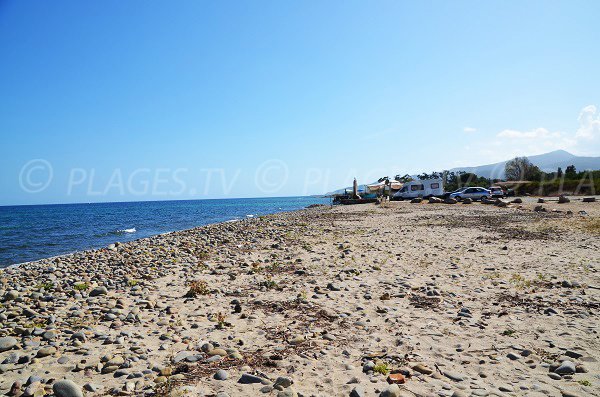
point(321, 301)
point(95, 241)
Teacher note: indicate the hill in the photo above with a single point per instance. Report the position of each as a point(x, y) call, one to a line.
point(547, 162)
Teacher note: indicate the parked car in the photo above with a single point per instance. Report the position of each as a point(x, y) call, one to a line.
point(497, 192)
point(447, 194)
point(474, 193)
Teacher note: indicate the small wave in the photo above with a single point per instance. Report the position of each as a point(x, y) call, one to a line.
point(250, 216)
point(117, 232)
point(132, 230)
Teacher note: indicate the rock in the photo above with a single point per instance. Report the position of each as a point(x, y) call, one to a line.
point(15, 389)
point(539, 208)
point(249, 378)
point(221, 375)
point(358, 391)
point(396, 378)
point(435, 200)
point(91, 387)
point(450, 200)
point(67, 388)
point(512, 356)
point(467, 200)
point(422, 368)
point(287, 393)
point(517, 201)
point(10, 296)
point(562, 199)
point(391, 391)
point(46, 351)
point(589, 199)
point(98, 291)
point(541, 201)
point(416, 200)
point(566, 368)
point(368, 366)
point(7, 343)
point(458, 393)
point(455, 376)
point(283, 381)
point(217, 352)
point(573, 354)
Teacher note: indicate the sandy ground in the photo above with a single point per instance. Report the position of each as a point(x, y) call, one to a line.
point(453, 300)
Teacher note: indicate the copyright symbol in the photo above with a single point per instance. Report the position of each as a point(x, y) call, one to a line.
point(271, 175)
point(36, 175)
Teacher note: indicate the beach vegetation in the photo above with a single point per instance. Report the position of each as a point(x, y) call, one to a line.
point(269, 283)
point(202, 255)
point(509, 332)
point(38, 323)
point(221, 320)
point(519, 281)
point(584, 382)
point(198, 287)
point(132, 282)
point(382, 368)
point(81, 286)
point(302, 297)
point(273, 267)
point(46, 285)
point(593, 225)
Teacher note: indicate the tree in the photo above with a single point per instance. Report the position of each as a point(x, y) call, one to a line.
point(571, 172)
point(403, 179)
point(559, 172)
point(520, 168)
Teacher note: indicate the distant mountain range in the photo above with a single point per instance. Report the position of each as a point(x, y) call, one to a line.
point(547, 162)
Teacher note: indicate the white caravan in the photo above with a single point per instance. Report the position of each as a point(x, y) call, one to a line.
point(420, 188)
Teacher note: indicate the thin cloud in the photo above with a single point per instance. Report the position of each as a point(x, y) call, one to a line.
point(469, 130)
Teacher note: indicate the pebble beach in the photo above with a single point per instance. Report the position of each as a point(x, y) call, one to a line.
point(398, 299)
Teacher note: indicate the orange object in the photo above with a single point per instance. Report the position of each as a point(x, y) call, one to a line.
point(396, 378)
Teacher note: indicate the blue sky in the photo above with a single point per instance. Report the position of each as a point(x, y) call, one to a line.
point(159, 100)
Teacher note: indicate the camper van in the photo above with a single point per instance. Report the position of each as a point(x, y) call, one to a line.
point(420, 188)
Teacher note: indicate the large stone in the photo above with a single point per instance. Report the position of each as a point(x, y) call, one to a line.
point(391, 391)
point(7, 343)
point(10, 296)
point(99, 291)
point(455, 376)
point(221, 375)
point(283, 381)
point(566, 368)
point(358, 391)
point(67, 388)
point(562, 199)
point(46, 351)
point(422, 368)
point(217, 352)
point(249, 378)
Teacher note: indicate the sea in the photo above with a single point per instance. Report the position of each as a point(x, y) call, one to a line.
point(32, 232)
